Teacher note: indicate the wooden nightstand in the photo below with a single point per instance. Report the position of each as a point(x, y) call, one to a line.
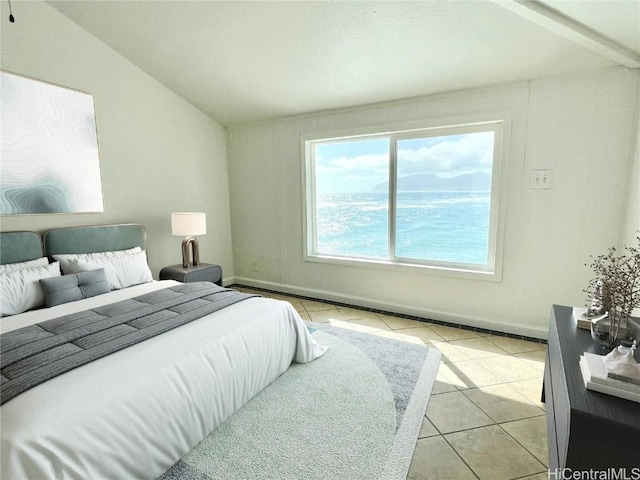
point(204, 272)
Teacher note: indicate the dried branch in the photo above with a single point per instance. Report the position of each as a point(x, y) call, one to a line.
point(616, 281)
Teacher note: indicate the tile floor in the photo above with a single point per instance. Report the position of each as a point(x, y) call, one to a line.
point(485, 419)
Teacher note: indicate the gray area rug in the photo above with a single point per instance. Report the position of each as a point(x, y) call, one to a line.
point(354, 413)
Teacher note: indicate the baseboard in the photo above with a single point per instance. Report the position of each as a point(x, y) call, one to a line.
point(477, 322)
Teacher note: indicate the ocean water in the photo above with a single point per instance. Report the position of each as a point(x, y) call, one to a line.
point(441, 226)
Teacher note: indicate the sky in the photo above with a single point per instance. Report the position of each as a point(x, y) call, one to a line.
point(356, 166)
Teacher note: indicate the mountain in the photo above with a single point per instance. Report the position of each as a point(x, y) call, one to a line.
point(430, 182)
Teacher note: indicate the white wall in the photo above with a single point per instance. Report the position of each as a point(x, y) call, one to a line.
point(583, 127)
point(631, 222)
point(158, 153)
point(631, 219)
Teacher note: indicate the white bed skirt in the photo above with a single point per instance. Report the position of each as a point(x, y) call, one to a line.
point(136, 412)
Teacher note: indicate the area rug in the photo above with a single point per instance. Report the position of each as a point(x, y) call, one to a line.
point(354, 413)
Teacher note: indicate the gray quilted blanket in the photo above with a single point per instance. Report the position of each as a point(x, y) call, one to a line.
point(34, 354)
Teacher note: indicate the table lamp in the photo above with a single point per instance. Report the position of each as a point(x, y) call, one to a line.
point(188, 225)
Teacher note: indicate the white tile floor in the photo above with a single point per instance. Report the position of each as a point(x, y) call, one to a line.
point(485, 419)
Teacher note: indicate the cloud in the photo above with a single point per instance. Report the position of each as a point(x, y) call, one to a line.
point(362, 163)
point(351, 174)
point(446, 156)
point(457, 153)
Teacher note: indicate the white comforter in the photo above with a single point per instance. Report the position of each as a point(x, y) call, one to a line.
point(133, 414)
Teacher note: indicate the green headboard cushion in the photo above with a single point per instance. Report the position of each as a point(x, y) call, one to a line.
point(20, 247)
point(99, 238)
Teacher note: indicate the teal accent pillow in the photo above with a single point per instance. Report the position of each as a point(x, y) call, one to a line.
point(72, 287)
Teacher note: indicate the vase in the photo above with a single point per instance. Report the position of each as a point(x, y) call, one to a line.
point(610, 329)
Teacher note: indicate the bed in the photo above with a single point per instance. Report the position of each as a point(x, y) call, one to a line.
point(135, 412)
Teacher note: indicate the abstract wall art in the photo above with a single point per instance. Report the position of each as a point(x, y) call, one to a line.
point(49, 160)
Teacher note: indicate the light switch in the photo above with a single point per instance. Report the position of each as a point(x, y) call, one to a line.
point(541, 179)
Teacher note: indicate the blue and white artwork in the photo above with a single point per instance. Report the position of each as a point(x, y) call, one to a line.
point(49, 159)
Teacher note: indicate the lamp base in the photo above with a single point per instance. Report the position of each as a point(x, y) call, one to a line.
point(195, 252)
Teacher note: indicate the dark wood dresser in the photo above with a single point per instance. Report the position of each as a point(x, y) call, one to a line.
point(586, 429)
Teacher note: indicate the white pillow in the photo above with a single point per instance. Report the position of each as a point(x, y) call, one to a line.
point(121, 271)
point(12, 267)
point(20, 290)
point(64, 259)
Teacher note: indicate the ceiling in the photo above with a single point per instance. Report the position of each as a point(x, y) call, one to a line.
point(248, 61)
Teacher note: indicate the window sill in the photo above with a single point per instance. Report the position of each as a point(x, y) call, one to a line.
point(381, 264)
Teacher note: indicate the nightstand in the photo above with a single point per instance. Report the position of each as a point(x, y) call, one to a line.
point(203, 272)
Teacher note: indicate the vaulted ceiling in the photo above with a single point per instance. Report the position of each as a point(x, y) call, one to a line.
point(247, 61)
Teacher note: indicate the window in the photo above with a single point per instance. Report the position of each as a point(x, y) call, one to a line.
point(422, 197)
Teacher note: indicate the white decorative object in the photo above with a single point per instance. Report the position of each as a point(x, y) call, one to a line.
point(621, 365)
point(122, 268)
point(122, 271)
point(49, 142)
point(20, 290)
point(188, 225)
point(595, 376)
point(582, 318)
point(13, 267)
point(67, 259)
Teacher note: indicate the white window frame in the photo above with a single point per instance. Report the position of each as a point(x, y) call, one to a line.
point(499, 124)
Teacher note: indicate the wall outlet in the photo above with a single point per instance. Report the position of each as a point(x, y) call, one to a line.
point(253, 264)
point(541, 179)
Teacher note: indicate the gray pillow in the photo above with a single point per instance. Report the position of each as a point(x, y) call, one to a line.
point(76, 286)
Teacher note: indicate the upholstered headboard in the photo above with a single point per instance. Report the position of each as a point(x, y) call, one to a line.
point(20, 247)
point(99, 238)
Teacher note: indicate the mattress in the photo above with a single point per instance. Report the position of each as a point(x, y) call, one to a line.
point(136, 412)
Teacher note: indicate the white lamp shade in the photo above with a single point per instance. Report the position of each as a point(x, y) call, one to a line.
point(188, 224)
